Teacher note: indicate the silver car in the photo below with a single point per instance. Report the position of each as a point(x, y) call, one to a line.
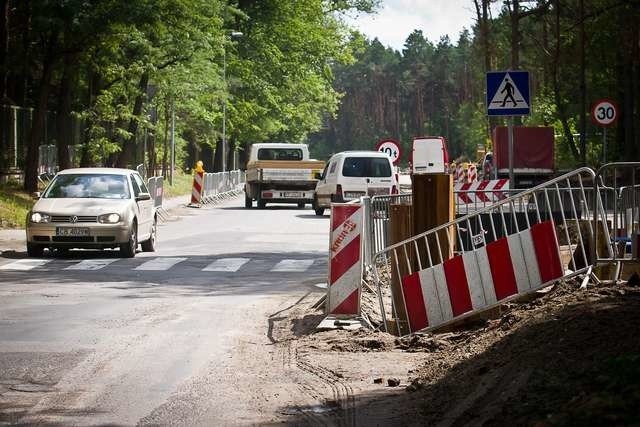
point(95, 208)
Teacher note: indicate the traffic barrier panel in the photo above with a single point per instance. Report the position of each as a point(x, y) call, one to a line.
point(497, 252)
point(480, 278)
point(459, 173)
point(481, 192)
point(345, 259)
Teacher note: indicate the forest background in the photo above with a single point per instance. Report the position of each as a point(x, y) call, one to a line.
point(106, 79)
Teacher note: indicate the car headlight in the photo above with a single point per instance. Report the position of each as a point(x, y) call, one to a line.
point(38, 217)
point(111, 218)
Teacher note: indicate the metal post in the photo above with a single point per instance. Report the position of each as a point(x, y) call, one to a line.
point(511, 154)
point(367, 231)
point(173, 142)
point(224, 109)
point(14, 119)
point(604, 146)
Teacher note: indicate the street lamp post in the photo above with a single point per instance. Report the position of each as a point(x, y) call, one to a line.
point(224, 104)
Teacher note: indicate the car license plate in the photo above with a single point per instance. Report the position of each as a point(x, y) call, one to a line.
point(353, 194)
point(293, 194)
point(72, 231)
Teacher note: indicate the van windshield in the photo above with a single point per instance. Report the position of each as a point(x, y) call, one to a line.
point(372, 167)
point(279, 154)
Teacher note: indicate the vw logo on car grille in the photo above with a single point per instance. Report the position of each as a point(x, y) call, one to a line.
point(74, 218)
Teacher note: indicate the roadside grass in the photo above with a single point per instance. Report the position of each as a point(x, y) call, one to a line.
point(181, 185)
point(14, 205)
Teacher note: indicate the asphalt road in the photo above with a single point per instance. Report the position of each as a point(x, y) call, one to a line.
point(94, 339)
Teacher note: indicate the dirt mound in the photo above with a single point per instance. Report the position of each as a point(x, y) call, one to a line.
point(564, 357)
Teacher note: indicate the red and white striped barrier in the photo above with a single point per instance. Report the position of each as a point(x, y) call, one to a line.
point(479, 279)
point(196, 192)
point(472, 173)
point(481, 192)
point(345, 259)
point(458, 176)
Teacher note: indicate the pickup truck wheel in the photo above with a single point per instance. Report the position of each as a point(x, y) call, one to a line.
point(301, 205)
point(248, 202)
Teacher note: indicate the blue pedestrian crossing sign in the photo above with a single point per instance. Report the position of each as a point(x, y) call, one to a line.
point(508, 93)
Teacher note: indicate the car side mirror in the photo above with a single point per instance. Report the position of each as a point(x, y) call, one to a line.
point(317, 176)
point(36, 195)
point(143, 196)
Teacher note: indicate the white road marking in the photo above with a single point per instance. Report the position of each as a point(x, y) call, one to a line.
point(91, 264)
point(159, 264)
point(227, 264)
point(293, 265)
point(25, 264)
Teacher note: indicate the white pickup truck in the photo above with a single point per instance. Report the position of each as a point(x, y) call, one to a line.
point(280, 173)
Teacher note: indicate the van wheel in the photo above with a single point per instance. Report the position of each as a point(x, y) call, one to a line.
point(248, 202)
point(262, 204)
point(319, 211)
point(301, 205)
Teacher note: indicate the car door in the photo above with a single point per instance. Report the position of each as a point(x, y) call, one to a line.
point(145, 206)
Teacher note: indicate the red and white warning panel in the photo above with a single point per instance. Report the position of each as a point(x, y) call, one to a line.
point(198, 181)
point(345, 259)
point(479, 279)
point(481, 192)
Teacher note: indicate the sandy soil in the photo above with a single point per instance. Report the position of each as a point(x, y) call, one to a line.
point(567, 357)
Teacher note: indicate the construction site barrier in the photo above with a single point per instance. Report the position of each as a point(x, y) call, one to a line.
point(345, 259)
point(509, 248)
point(156, 190)
point(618, 184)
point(196, 191)
point(220, 185)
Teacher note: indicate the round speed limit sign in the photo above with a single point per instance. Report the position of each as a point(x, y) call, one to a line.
point(392, 148)
point(604, 112)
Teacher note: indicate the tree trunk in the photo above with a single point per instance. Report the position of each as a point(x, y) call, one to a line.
point(129, 145)
point(165, 146)
point(583, 89)
point(562, 114)
point(64, 112)
point(37, 126)
point(4, 50)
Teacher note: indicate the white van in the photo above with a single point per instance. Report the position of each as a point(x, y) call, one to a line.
point(350, 175)
point(429, 155)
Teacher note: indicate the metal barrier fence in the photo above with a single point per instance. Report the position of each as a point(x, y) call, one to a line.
point(619, 184)
point(378, 212)
point(565, 201)
point(156, 190)
point(221, 184)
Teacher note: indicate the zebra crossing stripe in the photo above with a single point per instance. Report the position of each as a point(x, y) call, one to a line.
point(229, 265)
point(292, 265)
point(91, 264)
point(159, 264)
point(25, 264)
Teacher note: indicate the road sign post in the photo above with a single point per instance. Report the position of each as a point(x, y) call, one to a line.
point(508, 95)
point(604, 112)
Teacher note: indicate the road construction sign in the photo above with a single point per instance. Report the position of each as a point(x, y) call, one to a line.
point(508, 93)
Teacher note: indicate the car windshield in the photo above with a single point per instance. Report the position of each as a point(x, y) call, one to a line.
point(372, 167)
point(88, 186)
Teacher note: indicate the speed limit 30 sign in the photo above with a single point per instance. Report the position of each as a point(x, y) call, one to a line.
point(604, 112)
point(391, 148)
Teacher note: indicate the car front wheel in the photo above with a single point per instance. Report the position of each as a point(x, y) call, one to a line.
point(150, 245)
point(34, 250)
point(128, 250)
